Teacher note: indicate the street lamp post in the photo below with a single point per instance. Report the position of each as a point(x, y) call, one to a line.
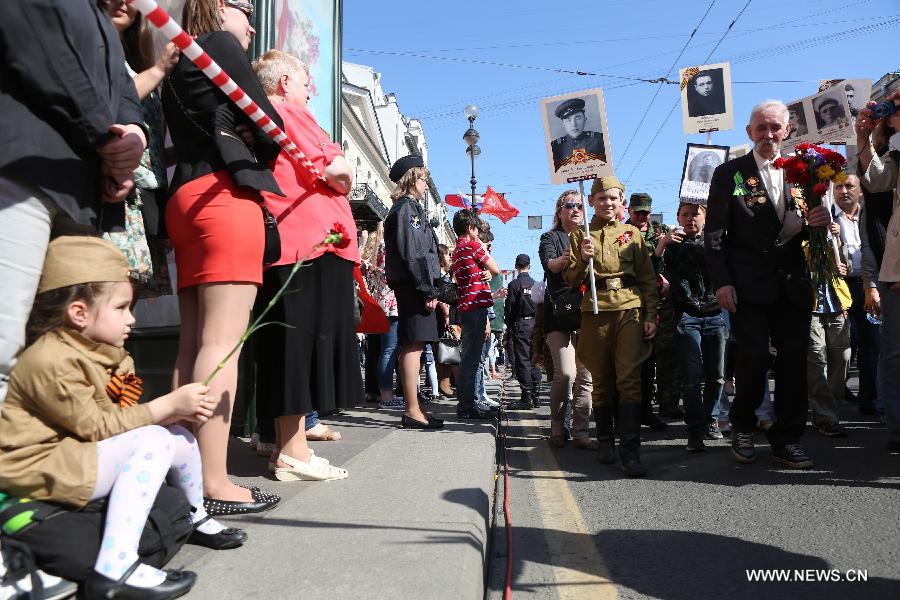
point(471, 138)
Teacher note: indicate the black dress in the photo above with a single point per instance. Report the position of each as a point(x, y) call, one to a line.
point(411, 267)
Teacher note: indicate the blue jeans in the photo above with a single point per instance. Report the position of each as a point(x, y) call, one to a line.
point(387, 363)
point(431, 369)
point(312, 419)
point(472, 356)
point(701, 350)
point(480, 391)
point(889, 359)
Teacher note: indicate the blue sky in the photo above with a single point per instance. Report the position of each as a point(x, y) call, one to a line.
point(437, 57)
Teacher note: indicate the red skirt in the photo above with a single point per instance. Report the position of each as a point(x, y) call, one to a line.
point(217, 232)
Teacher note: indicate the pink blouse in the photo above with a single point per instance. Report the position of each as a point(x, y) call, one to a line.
point(309, 208)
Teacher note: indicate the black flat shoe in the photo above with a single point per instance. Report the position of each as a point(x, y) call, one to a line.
point(228, 538)
point(176, 584)
point(436, 421)
point(410, 423)
point(261, 502)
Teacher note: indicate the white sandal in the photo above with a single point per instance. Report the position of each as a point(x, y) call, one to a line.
point(314, 470)
point(273, 459)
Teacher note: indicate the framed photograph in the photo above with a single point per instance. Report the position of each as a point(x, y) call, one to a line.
point(311, 31)
point(706, 100)
point(576, 136)
point(858, 93)
point(700, 160)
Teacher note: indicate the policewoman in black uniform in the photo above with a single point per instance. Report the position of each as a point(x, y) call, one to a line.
point(412, 267)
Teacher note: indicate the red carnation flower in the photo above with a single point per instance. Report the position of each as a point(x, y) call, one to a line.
point(819, 189)
point(780, 162)
point(337, 236)
point(803, 147)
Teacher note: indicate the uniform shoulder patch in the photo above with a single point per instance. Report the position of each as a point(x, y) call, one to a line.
point(415, 221)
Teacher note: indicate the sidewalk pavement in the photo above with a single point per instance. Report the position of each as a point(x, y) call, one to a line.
point(411, 521)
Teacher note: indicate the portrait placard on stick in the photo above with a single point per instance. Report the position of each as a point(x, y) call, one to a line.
point(823, 118)
point(858, 93)
point(700, 161)
point(706, 102)
point(576, 136)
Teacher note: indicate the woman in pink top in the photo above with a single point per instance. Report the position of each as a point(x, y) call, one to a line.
point(314, 364)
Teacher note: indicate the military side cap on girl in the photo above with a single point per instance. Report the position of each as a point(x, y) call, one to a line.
point(73, 259)
point(403, 165)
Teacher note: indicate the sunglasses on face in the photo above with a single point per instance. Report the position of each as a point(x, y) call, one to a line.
point(244, 7)
point(574, 205)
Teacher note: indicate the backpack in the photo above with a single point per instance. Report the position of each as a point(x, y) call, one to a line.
point(66, 542)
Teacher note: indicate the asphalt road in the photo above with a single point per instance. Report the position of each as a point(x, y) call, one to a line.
point(695, 526)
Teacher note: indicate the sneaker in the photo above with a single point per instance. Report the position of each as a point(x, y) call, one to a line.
point(472, 413)
point(395, 403)
point(490, 403)
point(742, 447)
point(264, 449)
point(792, 456)
point(833, 430)
point(712, 431)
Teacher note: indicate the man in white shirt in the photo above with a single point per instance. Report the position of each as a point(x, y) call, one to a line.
point(864, 335)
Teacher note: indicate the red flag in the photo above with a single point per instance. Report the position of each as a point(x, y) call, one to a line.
point(460, 200)
point(495, 204)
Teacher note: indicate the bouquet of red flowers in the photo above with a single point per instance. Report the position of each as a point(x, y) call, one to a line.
point(814, 168)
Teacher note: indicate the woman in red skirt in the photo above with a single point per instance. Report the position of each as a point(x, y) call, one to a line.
point(215, 220)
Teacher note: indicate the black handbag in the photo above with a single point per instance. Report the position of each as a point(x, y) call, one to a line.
point(272, 251)
point(565, 306)
point(446, 291)
point(66, 542)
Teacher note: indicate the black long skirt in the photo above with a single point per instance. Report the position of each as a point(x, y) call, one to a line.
point(314, 365)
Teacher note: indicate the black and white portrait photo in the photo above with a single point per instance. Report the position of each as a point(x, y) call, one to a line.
point(705, 93)
point(700, 161)
point(576, 136)
point(797, 119)
point(829, 110)
point(706, 100)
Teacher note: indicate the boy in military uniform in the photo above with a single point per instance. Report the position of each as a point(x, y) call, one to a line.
point(614, 343)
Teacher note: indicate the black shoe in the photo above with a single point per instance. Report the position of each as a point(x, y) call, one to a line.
point(228, 538)
point(792, 456)
point(695, 442)
point(832, 430)
point(410, 423)
point(176, 584)
point(536, 397)
point(603, 417)
point(606, 453)
point(261, 502)
point(653, 422)
point(712, 431)
point(742, 447)
point(436, 421)
point(671, 413)
point(632, 466)
point(473, 413)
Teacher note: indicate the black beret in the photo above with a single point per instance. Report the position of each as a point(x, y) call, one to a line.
point(403, 165)
point(522, 261)
point(569, 107)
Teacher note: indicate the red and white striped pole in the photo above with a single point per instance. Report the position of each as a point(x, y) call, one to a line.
point(174, 33)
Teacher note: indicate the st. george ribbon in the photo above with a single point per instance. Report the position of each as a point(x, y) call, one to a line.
point(174, 33)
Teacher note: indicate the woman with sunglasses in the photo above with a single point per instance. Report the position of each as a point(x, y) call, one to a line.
point(570, 377)
point(215, 220)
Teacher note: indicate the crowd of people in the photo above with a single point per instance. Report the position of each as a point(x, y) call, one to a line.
point(88, 214)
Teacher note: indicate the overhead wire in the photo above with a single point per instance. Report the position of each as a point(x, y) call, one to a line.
point(665, 79)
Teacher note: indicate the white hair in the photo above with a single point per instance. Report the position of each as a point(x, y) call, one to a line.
point(771, 103)
point(272, 65)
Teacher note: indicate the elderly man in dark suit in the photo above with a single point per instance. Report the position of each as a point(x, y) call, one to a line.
point(754, 231)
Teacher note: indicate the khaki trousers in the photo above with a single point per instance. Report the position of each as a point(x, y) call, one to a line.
point(611, 345)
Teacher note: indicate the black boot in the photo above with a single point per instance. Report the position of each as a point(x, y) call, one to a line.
point(629, 425)
point(524, 401)
point(603, 417)
point(648, 418)
point(536, 396)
